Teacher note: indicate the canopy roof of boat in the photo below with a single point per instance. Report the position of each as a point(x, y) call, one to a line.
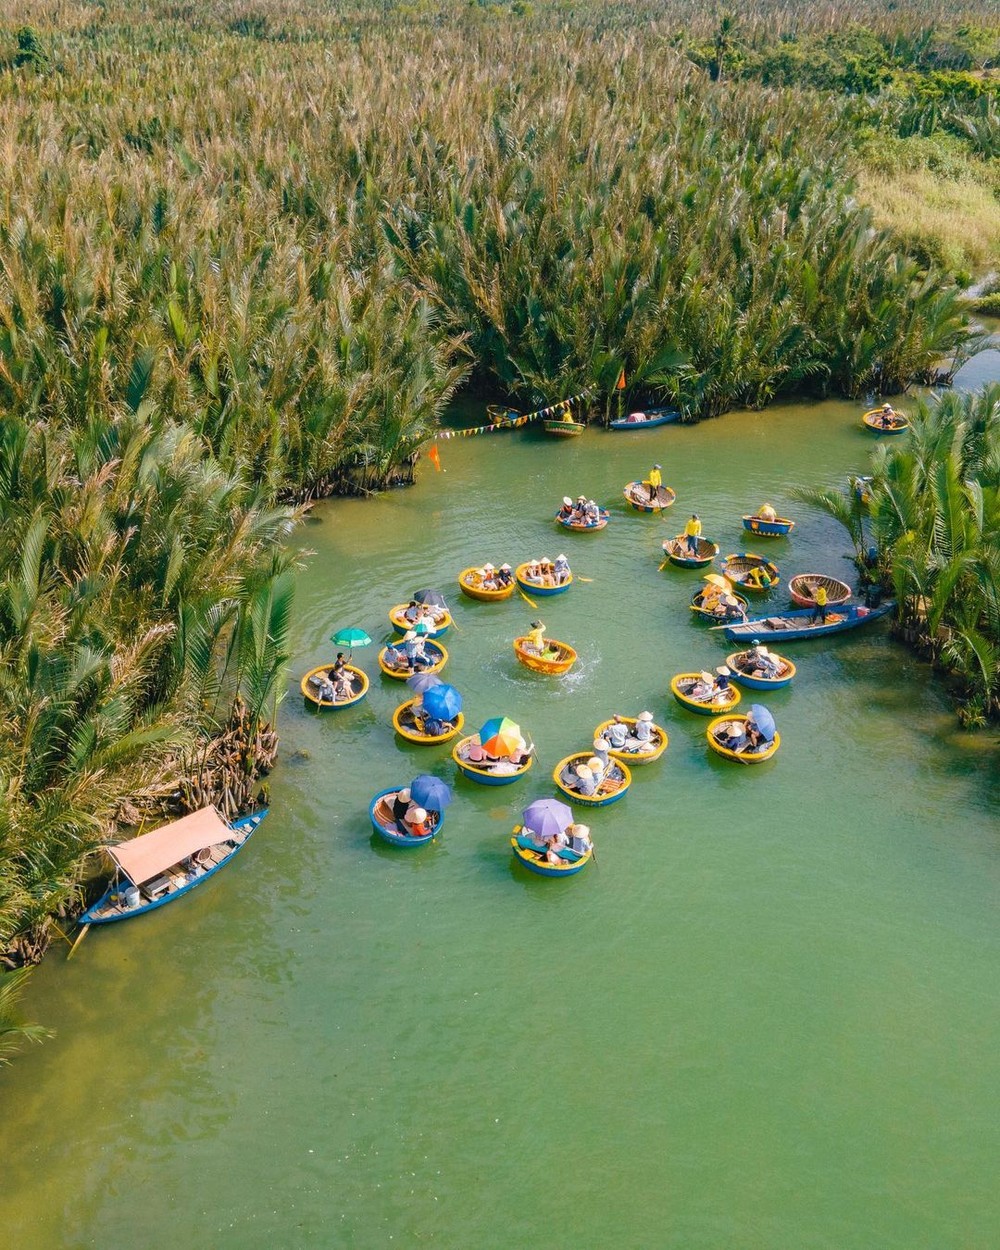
point(152, 853)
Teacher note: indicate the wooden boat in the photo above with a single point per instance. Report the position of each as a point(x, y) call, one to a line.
point(564, 429)
point(737, 568)
point(611, 789)
point(585, 527)
point(768, 529)
point(502, 773)
point(742, 757)
point(743, 672)
point(536, 861)
point(636, 758)
point(436, 653)
point(652, 417)
point(676, 551)
point(795, 624)
point(380, 814)
point(401, 624)
point(408, 726)
point(467, 581)
point(170, 861)
point(561, 662)
point(637, 497)
point(534, 588)
point(701, 706)
point(898, 423)
point(697, 597)
point(837, 592)
point(309, 688)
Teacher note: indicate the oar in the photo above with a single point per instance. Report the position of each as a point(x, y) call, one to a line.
point(583, 579)
point(83, 933)
point(530, 602)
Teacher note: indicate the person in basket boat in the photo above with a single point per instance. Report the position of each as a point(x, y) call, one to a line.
point(489, 581)
point(338, 666)
point(744, 737)
point(720, 686)
point(617, 733)
point(654, 481)
point(579, 839)
point(759, 577)
point(400, 806)
point(536, 643)
point(583, 780)
point(560, 570)
point(819, 603)
point(326, 690)
point(730, 608)
point(416, 824)
point(579, 514)
point(547, 570)
point(505, 577)
point(413, 650)
point(766, 513)
point(592, 513)
point(566, 511)
point(601, 748)
point(434, 727)
point(760, 662)
point(887, 417)
point(533, 572)
point(344, 685)
point(413, 612)
point(702, 688)
point(692, 532)
point(642, 740)
point(711, 599)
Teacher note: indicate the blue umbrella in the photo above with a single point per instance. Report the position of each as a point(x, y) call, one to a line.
point(430, 792)
point(764, 721)
point(422, 682)
point(547, 816)
point(432, 598)
point(442, 702)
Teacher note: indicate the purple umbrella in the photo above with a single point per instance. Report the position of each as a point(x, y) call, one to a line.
point(442, 702)
point(430, 792)
point(546, 817)
point(764, 721)
point(421, 682)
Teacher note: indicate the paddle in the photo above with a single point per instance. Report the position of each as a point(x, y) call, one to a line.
point(530, 602)
point(584, 579)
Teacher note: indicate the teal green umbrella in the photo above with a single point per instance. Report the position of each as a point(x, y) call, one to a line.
point(350, 638)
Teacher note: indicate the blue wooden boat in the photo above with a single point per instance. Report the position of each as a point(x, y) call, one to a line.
point(170, 861)
point(652, 417)
point(768, 529)
point(536, 861)
point(380, 814)
point(792, 625)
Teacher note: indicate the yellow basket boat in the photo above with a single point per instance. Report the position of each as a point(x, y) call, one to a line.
point(703, 707)
point(741, 757)
point(611, 789)
point(885, 423)
point(433, 649)
point(441, 621)
point(467, 583)
point(407, 726)
point(359, 681)
point(561, 662)
point(635, 758)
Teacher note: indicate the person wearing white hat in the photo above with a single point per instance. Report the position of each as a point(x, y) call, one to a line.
point(417, 824)
point(601, 747)
point(592, 513)
point(654, 482)
point(644, 730)
point(566, 511)
point(585, 781)
point(761, 660)
point(561, 569)
point(504, 576)
point(546, 572)
point(721, 687)
point(579, 839)
point(413, 649)
point(401, 805)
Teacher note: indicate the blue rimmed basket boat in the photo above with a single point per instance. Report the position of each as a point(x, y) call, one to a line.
point(777, 528)
point(380, 814)
point(537, 861)
point(584, 527)
point(534, 589)
point(676, 551)
point(738, 661)
point(612, 788)
point(637, 497)
point(739, 567)
point(484, 775)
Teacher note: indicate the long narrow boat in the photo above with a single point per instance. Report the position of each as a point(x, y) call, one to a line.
point(435, 652)
point(535, 588)
point(561, 661)
point(704, 707)
point(564, 429)
point(881, 423)
point(537, 861)
point(309, 686)
point(502, 773)
point(380, 814)
point(742, 757)
point(739, 568)
point(744, 671)
point(611, 789)
point(172, 860)
point(647, 420)
point(657, 743)
point(777, 528)
point(837, 592)
point(401, 624)
point(637, 497)
point(585, 527)
point(795, 624)
point(676, 551)
point(697, 597)
point(407, 726)
point(470, 583)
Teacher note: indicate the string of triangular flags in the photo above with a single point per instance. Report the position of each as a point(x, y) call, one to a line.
point(542, 414)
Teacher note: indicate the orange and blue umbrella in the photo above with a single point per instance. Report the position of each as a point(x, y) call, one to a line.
point(500, 736)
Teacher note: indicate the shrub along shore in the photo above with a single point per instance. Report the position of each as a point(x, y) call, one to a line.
point(248, 254)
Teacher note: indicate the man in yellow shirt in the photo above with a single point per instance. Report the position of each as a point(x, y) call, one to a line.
point(536, 637)
point(692, 532)
point(654, 482)
point(819, 605)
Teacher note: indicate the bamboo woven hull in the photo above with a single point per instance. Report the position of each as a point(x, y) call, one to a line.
point(675, 549)
point(636, 759)
point(380, 814)
point(565, 662)
point(837, 592)
point(405, 726)
point(761, 683)
point(477, 592)
point(309, 692)
point(535, 862)
point(741, 757)
point(623, 775)
point(698, 705)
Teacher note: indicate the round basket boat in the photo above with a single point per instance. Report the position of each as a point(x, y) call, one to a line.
point(501, 414)
point(502, 773)
point(537, 861)
point(637, 497)
point(408, 726)
point(777, 528)
point(717, 617)
point(611, 789)
point(585, 527)
point(401, 624)
point(564, 429)
point(435, 652)
point(738, 662)
point(380, 814)
point(309, 688)
point(561, 661)
point(702, 706)
point(676, 551)
point(739, 569)
point(538, 590)
point(837, 592)
point(879, 423)
point(657, 742)
point(742, 757)
point(469, 584)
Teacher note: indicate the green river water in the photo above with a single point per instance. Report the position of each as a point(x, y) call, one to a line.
point(766, 1017)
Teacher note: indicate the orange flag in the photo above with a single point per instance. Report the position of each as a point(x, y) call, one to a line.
point(620, 384)
point(434, 456)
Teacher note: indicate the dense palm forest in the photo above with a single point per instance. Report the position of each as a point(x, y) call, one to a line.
point(249, 253)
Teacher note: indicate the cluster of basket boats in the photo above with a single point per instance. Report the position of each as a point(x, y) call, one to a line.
point(597, 776)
